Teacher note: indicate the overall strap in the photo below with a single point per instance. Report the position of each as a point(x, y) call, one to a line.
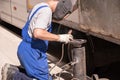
point(25, 34)
point(36, 11)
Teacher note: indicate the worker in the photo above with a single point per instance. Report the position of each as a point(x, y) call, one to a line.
point(35, 36)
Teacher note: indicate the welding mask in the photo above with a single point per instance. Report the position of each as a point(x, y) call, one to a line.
point(63, 8)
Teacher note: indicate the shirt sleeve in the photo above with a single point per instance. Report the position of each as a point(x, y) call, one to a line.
point(43, 18)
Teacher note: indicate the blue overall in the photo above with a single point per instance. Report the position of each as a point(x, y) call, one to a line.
point(32, 53)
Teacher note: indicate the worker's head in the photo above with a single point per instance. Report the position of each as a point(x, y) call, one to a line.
point(53, 4)
point(63, 8)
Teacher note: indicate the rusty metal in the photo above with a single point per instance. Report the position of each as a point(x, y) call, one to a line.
point(78, 59)
point(101, 17)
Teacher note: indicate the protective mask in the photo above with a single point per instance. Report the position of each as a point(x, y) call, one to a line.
point(63, 8)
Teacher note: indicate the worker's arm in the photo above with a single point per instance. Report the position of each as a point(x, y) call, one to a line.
point(45, 35)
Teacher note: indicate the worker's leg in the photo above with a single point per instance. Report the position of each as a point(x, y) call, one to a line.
point(11, 72)
point(34, 62)
point(21, 76)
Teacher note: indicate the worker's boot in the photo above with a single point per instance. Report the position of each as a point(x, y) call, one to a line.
point(8, 71)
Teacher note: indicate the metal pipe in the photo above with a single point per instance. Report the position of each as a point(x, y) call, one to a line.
point(79, 59)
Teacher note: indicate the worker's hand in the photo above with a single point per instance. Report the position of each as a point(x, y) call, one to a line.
point(66, 37)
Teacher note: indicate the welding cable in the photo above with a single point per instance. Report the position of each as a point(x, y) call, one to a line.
point(59, 27)
point(70, 53)
point(60, 58)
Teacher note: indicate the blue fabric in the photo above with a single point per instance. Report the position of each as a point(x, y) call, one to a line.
point(32, 54)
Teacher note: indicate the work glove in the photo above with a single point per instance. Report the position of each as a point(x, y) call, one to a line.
point(66, 37)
